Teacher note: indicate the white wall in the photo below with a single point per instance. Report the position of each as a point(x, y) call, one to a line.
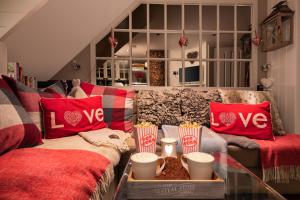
point(285, 71)
point(12, 12)
point(3, 58)
point(51, 37)
point(84, 73)
point(297, 118)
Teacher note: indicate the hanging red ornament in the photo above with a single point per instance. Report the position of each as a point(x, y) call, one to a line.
point(113, 41)
point(183, 41)
point(256, 40)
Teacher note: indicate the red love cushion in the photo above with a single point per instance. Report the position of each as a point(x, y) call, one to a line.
point(66, 117)
point(250, 120)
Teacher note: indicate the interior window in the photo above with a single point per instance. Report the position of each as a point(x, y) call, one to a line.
point(166, 44)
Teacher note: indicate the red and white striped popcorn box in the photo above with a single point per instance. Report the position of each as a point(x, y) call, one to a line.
point(145, 138)
point(190, 138)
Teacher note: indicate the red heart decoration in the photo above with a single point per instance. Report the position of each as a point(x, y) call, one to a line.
point(72, 117)
point(113, 41)
point(227, 118)
point(183, 41)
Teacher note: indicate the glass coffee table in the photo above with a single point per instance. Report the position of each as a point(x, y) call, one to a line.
point(240, 183)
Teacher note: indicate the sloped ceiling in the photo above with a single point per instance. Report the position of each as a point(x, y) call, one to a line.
point(13, 11)
point(52, 36)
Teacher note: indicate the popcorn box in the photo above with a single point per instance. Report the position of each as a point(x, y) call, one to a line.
point(190, 139)
point(145, 138)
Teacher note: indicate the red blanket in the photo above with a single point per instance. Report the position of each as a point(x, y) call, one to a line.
point(281, 158)
point(34, 173)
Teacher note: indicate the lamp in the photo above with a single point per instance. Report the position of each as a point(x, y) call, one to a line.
point(169, 147)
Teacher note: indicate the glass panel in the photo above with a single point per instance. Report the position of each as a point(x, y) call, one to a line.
point(157, 42)
point(226, 46)
point(173, 48)
point(210, 69)
point(122, 49)
point(104, 72)
point(139, 17)
point(209, 17)
point(243, 18)
point(100, 69)
point(139, 45)
point(157, 69)
point(103, 48)
point(156, 16)
point(226, 74)
point(139, 72)
point(121, 72)
point(174, 17)
point(192, 50)
point(209, 45)
point(173, 73)
point(244, 45)
point(124, 24)
point(286, 28)
point(226, 18)
point(191, 17)
point(243, 74)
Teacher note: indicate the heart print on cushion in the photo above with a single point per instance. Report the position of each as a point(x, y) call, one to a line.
point(72, 117)
point(227, 118)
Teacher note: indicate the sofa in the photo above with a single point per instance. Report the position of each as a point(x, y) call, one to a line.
point(37, 166)
point(158, 105)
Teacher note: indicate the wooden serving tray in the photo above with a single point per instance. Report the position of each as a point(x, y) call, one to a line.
point(175, 189)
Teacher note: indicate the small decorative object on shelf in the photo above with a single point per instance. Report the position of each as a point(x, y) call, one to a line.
point(15, 71)
point(267, 81)
point(75, 65)
point(30, 81)
point(277, 28)
point(192, 55)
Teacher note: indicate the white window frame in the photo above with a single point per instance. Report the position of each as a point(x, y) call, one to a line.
point(165, 31)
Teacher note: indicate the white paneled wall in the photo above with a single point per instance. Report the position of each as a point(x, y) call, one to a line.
point(297, 119)
point(3, 58)
point(285, 71)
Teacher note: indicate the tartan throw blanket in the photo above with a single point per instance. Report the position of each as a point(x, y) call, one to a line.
point(280, 158)
point(34, 173)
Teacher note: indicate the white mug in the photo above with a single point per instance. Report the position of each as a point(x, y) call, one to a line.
point(144, 165)
point(199, 165)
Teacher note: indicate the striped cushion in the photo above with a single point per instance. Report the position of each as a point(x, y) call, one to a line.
point(16, 127)
point(117, 105)
point(30, 98)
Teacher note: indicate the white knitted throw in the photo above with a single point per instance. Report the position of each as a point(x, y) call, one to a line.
point(107, 137)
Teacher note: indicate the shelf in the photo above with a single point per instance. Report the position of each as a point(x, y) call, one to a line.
point(139, 69)
point(138, 83)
